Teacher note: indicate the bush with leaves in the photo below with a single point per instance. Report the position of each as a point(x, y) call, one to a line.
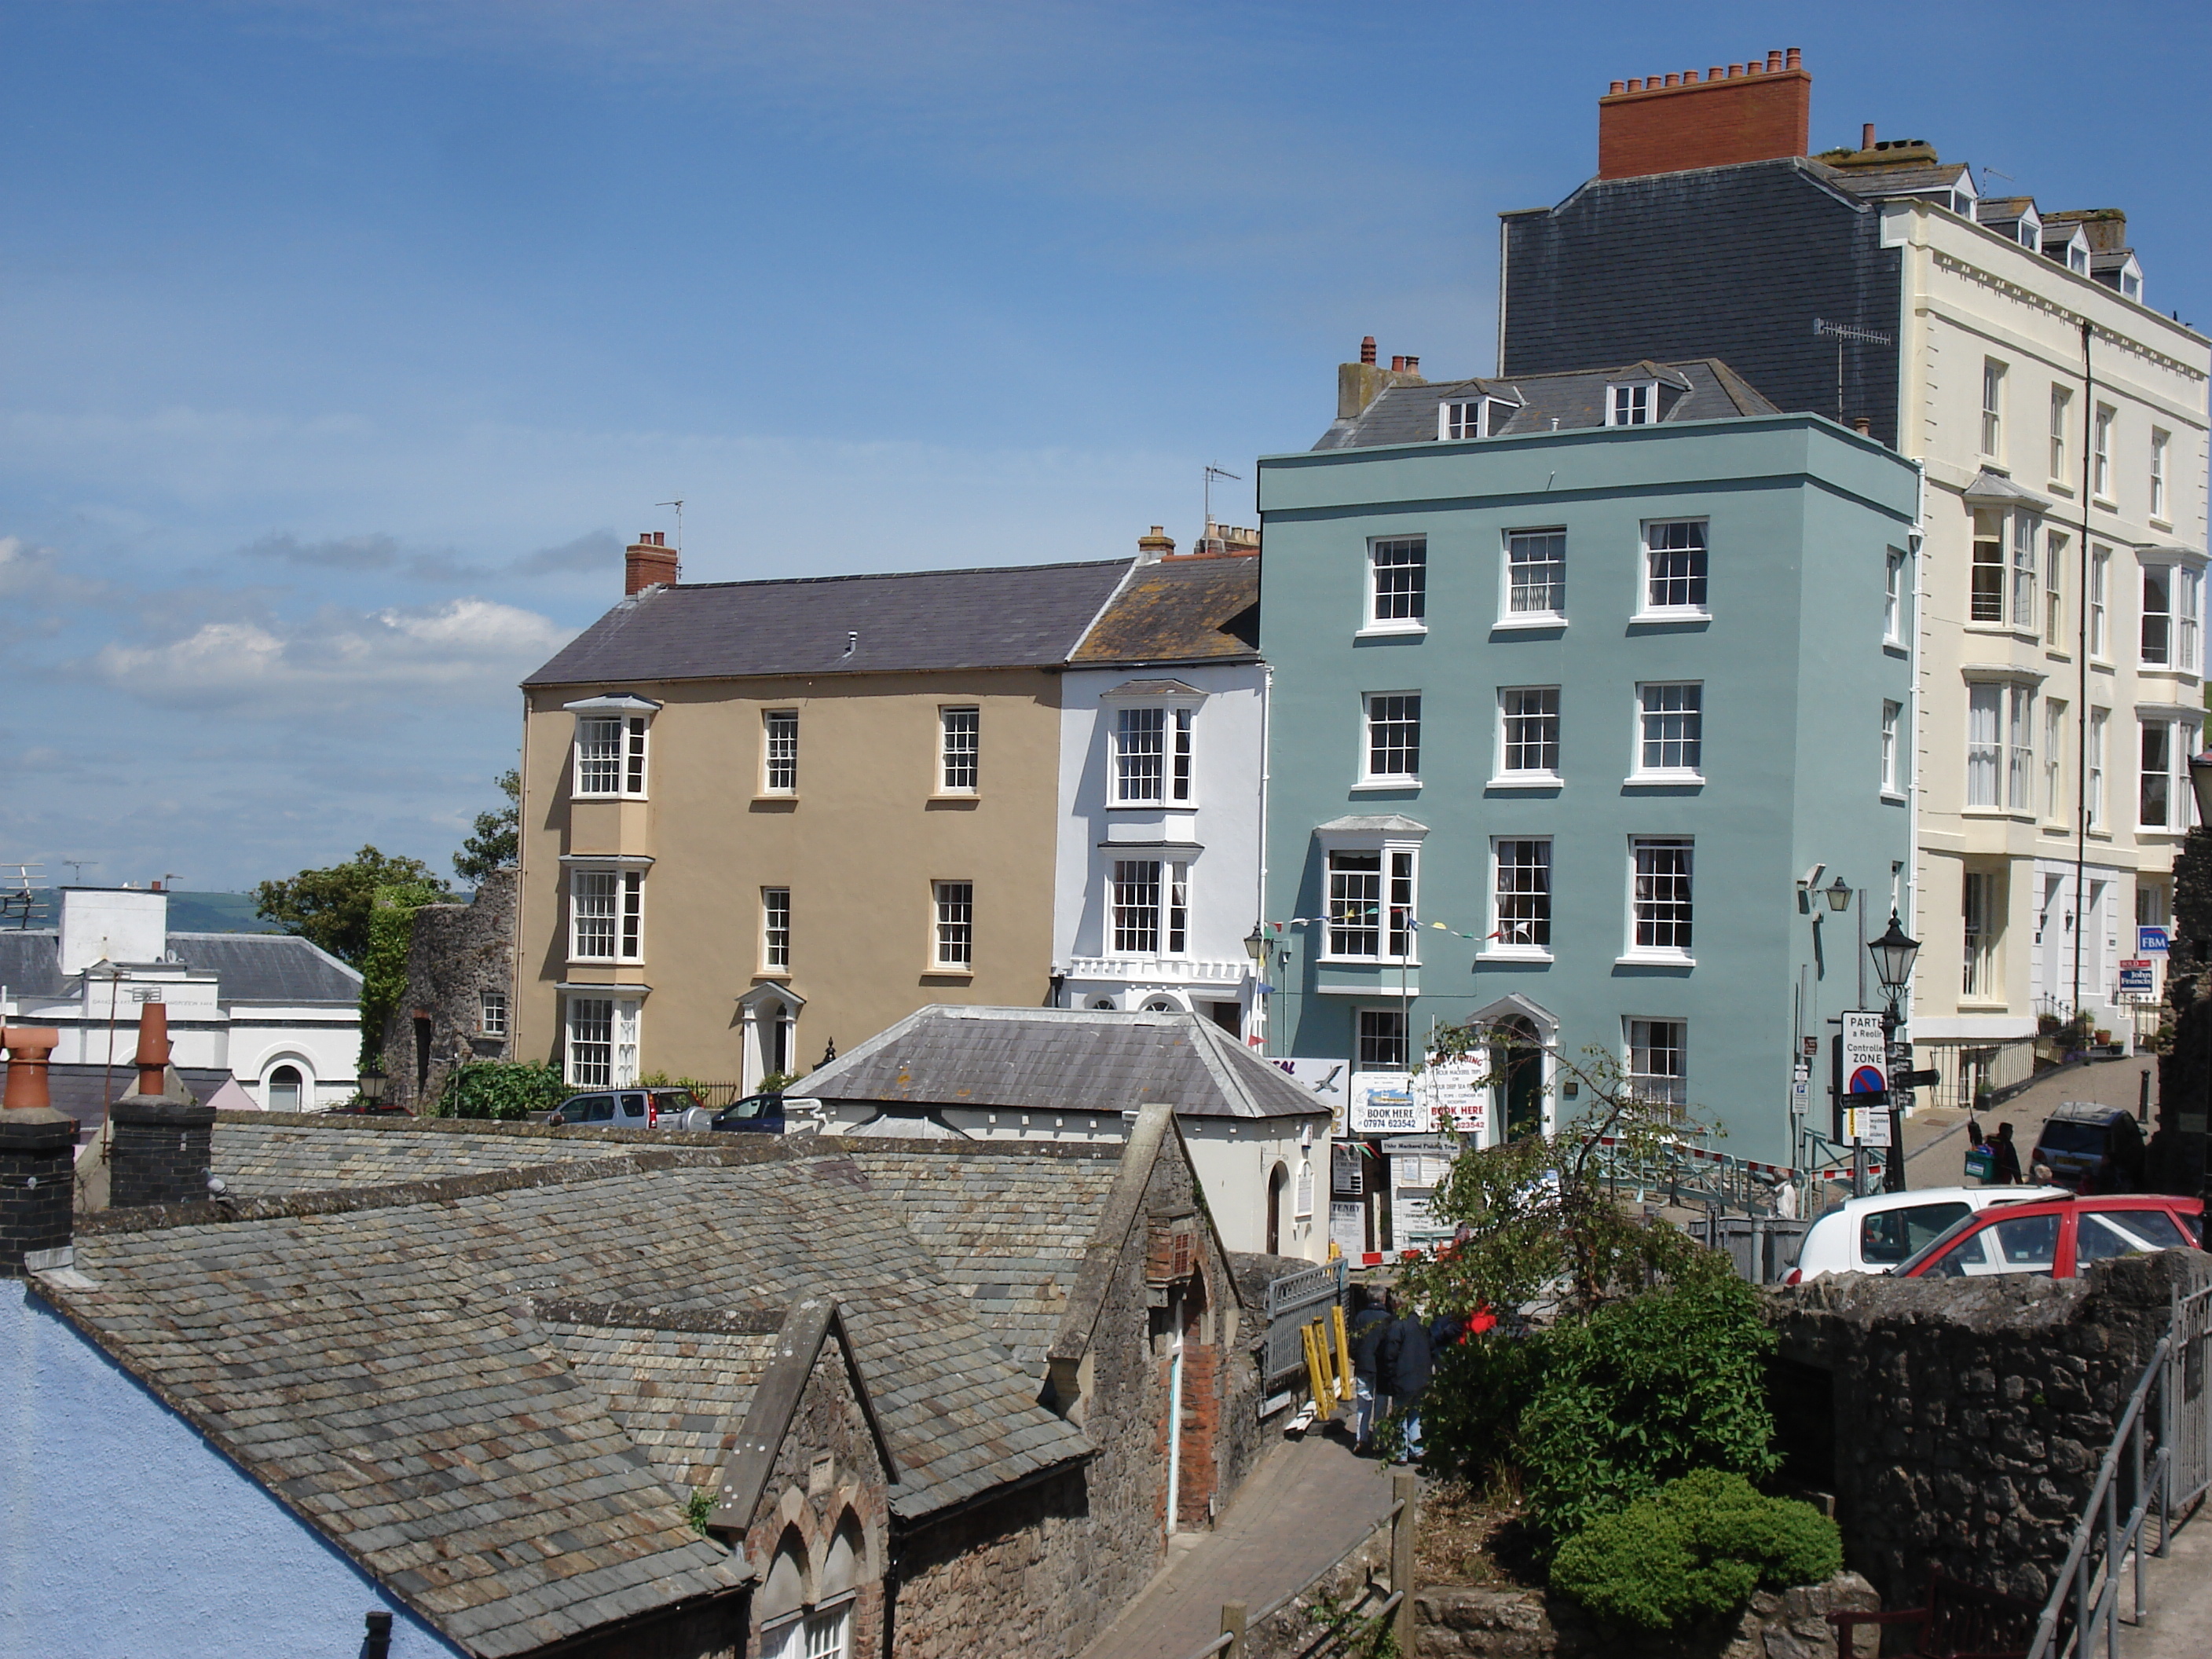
point(332, 908)
point(505, 1089)
point(384, 963)
point(1645, 1390)
point(1693, 1550)
point(496, 841)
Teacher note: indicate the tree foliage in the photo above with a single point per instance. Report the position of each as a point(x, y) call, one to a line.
point(495, 843)
point(505, 1089)
point(1694, 1549)
point(332, 908)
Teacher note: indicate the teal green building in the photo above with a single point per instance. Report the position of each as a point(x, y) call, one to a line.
point(1578, 681)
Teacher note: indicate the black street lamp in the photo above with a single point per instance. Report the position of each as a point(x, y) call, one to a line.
point(1839, 896)
point(1256, 943)
point(371, 1083)
point(1893, 954)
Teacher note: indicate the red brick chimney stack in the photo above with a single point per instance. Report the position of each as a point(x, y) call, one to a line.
point(1671, 123)
point(649, 563)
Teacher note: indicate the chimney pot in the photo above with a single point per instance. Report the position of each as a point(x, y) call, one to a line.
point(1412, 365)
point(1673, 80)
point(1714, 73)
point(1754, 66)
point(1397, 364)
point(1735, 70)
point(1617, 87)
point(1774, 63)
point(1366, 355)
point(153, 1057)
point(1864, 425)
point(28, 1048)
point(1866, 136)
point(1797, 58)
point(1636, 83)
point(1158, 546)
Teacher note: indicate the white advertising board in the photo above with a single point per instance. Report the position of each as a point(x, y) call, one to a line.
point(1455, 1096)
point(1327, 1079)
point(1868, 1125)
point(1348, 1226)
point(1383, 1104)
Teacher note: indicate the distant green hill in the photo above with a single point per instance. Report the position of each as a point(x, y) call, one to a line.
point(189, 913)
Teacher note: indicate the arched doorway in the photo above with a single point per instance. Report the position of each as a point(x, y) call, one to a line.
point(1522, 1066)
point(1277, 1179)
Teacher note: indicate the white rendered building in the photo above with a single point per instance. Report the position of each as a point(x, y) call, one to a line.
point(279, 1015)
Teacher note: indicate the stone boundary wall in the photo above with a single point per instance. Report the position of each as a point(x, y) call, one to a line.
point(1969, 1416)
point(1451, 1621)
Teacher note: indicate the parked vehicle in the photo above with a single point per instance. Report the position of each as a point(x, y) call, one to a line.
point(760, 1114)
point(2092, 1148)
point(655, 1108)
point(1873, 1234)
point(2057, 1237)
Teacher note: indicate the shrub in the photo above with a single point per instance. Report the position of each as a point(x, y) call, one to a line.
point(1644, 1391)
point(503, 1089)
point(1696, 1548)
point(1473, 1409)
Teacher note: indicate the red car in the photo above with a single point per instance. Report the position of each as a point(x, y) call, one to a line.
point(2057, 1237)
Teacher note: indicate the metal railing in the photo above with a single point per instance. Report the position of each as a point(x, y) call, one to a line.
point(1292, 1301)
point(2163, 1449)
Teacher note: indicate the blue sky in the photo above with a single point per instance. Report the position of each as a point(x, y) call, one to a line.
point(342, 345)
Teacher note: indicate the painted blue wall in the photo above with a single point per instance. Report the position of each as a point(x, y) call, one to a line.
point(126, 1535)
point(1802, 517)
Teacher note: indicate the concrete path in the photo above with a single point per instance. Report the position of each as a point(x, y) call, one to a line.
point(2177, 1593)
point(1304, 1508)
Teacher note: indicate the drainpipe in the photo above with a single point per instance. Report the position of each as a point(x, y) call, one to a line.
point(1175, 1410)
point(1262, 1006)
point(2081, 661)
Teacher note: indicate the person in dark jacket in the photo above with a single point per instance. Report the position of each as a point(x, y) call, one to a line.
point(2005, 1171)
point(1368, 1325)
point(1403, 1366)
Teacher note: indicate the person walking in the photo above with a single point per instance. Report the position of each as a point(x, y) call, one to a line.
point(1404, 1366)
point(1368, 1325)
point(2004, 1170)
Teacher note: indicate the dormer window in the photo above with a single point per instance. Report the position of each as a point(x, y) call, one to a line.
point(1631, 403)
point(1477, 418)
point(611, 745)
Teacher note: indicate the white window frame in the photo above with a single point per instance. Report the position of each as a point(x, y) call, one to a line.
point(2020, 750)
point(2101, 725)
point(1697, 583)
point(1892, 599)
point(1367, 1042)
point(780, 752)
point(1985, 757)
point(1993, 381)
point(1369, 778)
point(2159, 619)
point(1414, 602)
point(1510, 595)
point(2061, 414)
point(959, 749)
point(1173, 782)
point(492, 1013)
point(1639, 949)
point(2178, 734)
point(2102, 421)
point(1983, 897)
point(1464, 418)
point(2054, 757)
point(775, 930)
point(1688, 733)
point(1631, 403)
point(1505, 939)
point(611, 765)
point(1394, 899)
point(2160, 441)
point(1507, 775)
point(952, 927)
point(1986, 569)
point(1893, 741)
point(618, 883)
point(2100, 588)
point(1669, 1089)
point(587, 1028)
point(2027, 552)
point(2055, 545)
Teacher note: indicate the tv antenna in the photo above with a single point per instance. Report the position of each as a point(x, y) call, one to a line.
point(678, 505)
point(77, 867)
point(20, 905)
point(1212, 473)
point(1839, 333)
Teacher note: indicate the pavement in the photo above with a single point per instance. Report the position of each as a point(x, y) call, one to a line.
point(1303, 1508)
point(2177, 1597)
point(1935, 1137)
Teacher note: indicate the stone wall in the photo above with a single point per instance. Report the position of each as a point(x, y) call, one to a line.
point(993, 1579)
point(1453, 1621)
point(455, 954)
point(1967, 1418)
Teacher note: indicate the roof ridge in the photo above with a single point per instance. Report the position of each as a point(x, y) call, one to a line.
point(898, 575)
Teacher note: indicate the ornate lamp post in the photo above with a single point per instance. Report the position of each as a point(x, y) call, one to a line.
point(1894, 955)
point(1259, 947)
point(371, 1083)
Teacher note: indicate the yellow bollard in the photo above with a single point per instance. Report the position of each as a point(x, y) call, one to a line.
point(1343, 1352)
point(1316, 1373)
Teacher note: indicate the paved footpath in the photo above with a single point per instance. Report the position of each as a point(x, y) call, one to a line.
point(1304, 1508)
point(1935, 1137)
point(2178, 1592)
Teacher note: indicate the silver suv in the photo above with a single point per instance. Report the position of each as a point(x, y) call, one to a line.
point(633, 1108)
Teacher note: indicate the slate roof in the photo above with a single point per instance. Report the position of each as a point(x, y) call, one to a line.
point(83, 1090)
point(278, 967)
point(1009, 616)
point(1059, 1059)
point(1710, 391)
point(404, 1366)
point(267, 1154)
point(1907, 178)
point(1204, 609)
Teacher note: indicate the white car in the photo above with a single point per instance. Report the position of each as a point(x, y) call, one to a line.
point(1879, 1232)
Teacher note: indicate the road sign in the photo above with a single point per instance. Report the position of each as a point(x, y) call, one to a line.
point(1866, 1054)
point(2138, 977)
point(2152, 942)
point(1868, 1125)
point(1928, 1078)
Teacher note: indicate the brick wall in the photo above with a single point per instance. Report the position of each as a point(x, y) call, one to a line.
point(158, 1153)
point(1704, 123)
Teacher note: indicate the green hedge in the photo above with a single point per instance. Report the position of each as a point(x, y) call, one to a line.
point(1695, 1549)
point(502, 1089)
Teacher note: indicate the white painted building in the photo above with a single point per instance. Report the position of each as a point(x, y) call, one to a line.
point(1163, 735)
point(276, 1014)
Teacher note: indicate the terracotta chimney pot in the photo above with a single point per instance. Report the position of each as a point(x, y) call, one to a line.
point(1367, 349)
point(28, 1050)
point(153, 1056)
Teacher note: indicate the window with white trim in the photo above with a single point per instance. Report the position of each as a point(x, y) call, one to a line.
point(2157, 633)
point(1529, 732)
point(959, 737)
point(1982, 913)
point(2163, 795)
point(1398, 582)
point(1520, 895)
point(491, 1013)
point(2188, 610)
point(1370, 903)
point(1658, 1056)
point(1986, 594)
point(1392, 751)
point(1892, 599)
point(1151, 907)
point(606, 913)
point(1633, 403)
point(1675, 567)
point(1993, 376)
point(1893, 716)
point(2019, 746)
point(2100, 578)
point(775, 928)
point(2159, 444)
point(1536, 574)
point(825, 1635)
point(611, 755)
point(2061, 404)
point(1151, 756)
point(1985, 744)
point(2025, 526)
point(591, 1045)
point(954, 924)
point(2100, 452)
point(1477, 418)
point(1670, 730)
point(2054, 757)
point(1660, 896)
point(1381, 1040)
point(2100, 721)
point(780, 752)
point(2055, 543)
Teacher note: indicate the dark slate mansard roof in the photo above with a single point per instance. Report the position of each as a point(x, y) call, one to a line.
point(1010, 617)
point(274, 967)
point(1059, 1059)
point(1698, 389)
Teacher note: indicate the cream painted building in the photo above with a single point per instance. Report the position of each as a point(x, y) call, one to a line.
point(764, 820)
